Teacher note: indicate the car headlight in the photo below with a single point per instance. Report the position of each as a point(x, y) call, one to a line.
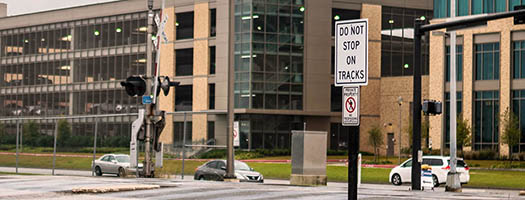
point(239, 176)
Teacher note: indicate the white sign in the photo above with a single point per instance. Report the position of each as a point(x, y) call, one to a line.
point(351, 52)
point(236, 140)
point(351, 106)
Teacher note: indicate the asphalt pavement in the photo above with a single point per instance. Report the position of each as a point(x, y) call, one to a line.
point(60, 187)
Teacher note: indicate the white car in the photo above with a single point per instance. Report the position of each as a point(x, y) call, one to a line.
point(113, 164)
point(440, 168)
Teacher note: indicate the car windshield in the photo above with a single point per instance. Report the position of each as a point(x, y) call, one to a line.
point(241, 166)
point(123, 159)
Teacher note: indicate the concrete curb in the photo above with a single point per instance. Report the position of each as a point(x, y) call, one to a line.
point(113, 188)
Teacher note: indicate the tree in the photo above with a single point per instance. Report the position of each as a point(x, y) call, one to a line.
point(511, 131)
point(463, 133)
point(30, 133)
point(375, 138)
point(64, 133)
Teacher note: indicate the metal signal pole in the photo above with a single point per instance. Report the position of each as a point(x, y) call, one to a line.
point(149, 73)
point(229, 135)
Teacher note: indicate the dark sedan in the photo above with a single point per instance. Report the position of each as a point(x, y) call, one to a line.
point(216, 170)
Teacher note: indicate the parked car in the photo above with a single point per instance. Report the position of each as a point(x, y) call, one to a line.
point(113, 164)
point(216, 170)
point(440, 168)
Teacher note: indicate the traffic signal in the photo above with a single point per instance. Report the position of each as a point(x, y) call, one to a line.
point(431, 107)
point(521, 18)
point(164, 83)
point(135, 86)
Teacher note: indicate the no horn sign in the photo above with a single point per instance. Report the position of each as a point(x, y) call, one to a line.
point(351, 55)
point(351, 106)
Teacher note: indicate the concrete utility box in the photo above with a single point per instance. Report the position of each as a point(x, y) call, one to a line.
point(308, 158)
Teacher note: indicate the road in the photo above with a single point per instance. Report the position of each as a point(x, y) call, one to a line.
point(59, 187)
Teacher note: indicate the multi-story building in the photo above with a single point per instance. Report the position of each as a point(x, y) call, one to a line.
point(70, 62)
point(489, 78)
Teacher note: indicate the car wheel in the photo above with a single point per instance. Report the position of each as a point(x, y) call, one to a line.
point(435, 180)
point(396, 179)
point(201, 178)
point(121, 172)
point(98, 171)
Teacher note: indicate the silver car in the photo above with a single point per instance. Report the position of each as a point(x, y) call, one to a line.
point(216, 170)
point(113, 164)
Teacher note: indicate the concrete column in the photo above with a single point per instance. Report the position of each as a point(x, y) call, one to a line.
point(167, 68)
point(437, 88)
point(468, 75)
point(201, 63)
point(370, 94)
point(505, 82)
point(3, 10)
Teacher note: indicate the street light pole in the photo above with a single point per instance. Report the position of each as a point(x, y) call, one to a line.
point(453, 182)
point(400, 102)
point(229, 135)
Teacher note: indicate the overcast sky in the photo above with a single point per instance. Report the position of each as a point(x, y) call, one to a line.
point(18, 7)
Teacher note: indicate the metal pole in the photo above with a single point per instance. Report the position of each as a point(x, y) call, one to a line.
point(17, 134)
point(22, 137)
point(353, 151)
point(229, 134)
point(55, 148)
point(453, 182)
point(94, 148)
point(416, 106)
point(400, 100)
point(183, 146)
point(149, 73)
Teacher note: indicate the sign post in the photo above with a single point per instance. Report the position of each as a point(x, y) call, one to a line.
point(351, 71)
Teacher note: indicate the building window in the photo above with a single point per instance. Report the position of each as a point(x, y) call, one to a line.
point(336, 99)
point(397, 54)
point(459, 63)
point(513, 3)
point(212, 60)
point(184, 25)
point(487, 61)
point(459, 109)
point(343, 14)
point(518, 106)
point(211, 90)
point(488, 6)
point(213, 22)
point(486, 117)
point(183, 98)
point(268, 55)
point(210, 135)
point(519, 59)
point(267, 131)
point(339, 136)
point(178, 134)
point(184, 62)
point(442, 8)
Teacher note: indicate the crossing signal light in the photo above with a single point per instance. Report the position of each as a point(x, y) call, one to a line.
point(165, 84)
point(520, 19)
point(159, 122)
point(431, 107)
point(135, 86)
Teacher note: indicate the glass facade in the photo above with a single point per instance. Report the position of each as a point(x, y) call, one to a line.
point(519, 59)
point(442, 8)
point(339, 136)
point(486, 120)
point(487, 61)
point(267, 131)
point(518, 106)
point(513, 3)
point(73, 68)
point(397, 41)
point(269, 42)
point(459, 63)
point(459, 109)
point(488, 6)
